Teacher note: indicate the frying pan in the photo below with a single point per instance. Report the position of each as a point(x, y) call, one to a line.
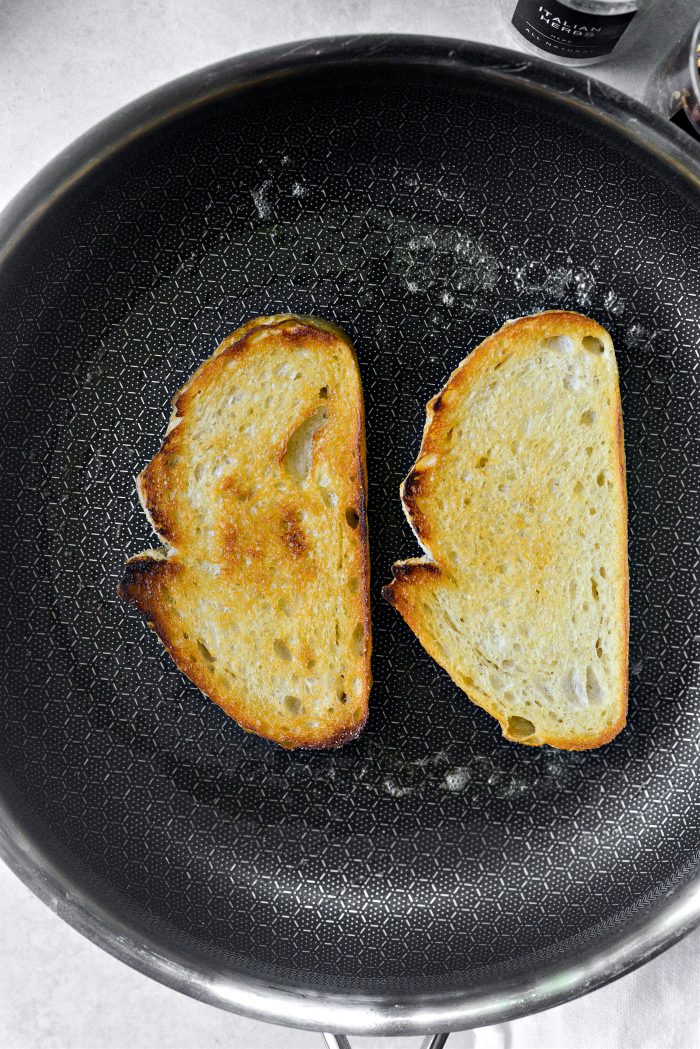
point(418, 192)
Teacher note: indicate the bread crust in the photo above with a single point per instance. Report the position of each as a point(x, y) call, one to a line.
point(148, 577)
point(418, 573)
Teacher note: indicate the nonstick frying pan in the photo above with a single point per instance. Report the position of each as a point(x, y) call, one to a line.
point(430, 875)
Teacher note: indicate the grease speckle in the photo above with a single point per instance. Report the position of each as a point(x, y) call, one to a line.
point(613, 303)
point(637, 337)
point(456, 779)
point(534, 276)
point(584, 285)
point(441, 260)
point(395, 789)
point(262, 204)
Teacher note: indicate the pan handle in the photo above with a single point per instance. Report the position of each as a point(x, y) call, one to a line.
point(340, 1041)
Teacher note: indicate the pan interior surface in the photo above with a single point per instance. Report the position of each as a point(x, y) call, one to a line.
point(418, 210)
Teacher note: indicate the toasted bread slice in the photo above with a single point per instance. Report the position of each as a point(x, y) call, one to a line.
point(518, 499)
point(260, 591)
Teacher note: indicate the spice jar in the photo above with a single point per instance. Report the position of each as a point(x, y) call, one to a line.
point(576, 32)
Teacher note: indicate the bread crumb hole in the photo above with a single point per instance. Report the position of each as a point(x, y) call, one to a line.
point(594, 589)
point(204, 651)
point(599, 648)
point(293, 704)
point(328, 497)
point(298, 454)
point(520, 728)
point(357, 641)
point(592, 344)
point(602, 571)
point(588, 417)
point(578, 488)
point(323, 393)
point(198, 471)
point(281, 649)
point(352, 517)
point(482, 461)
point(593, 687)
point(562, 343)
point(600, 479)
point(589, 452)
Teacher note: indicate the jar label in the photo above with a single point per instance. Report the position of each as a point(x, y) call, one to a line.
point(558, 30)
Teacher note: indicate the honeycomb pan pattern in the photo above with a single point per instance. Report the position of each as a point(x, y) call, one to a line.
point(418, 214)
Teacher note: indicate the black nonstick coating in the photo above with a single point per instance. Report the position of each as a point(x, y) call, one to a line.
point(418, 207)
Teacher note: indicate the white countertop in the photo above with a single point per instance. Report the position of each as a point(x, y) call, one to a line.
point(63, 67)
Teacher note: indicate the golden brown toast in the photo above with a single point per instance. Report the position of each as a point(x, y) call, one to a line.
point(260, 591)
point(518, 499)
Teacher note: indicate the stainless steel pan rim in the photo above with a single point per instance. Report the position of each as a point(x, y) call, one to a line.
point(639, 940)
